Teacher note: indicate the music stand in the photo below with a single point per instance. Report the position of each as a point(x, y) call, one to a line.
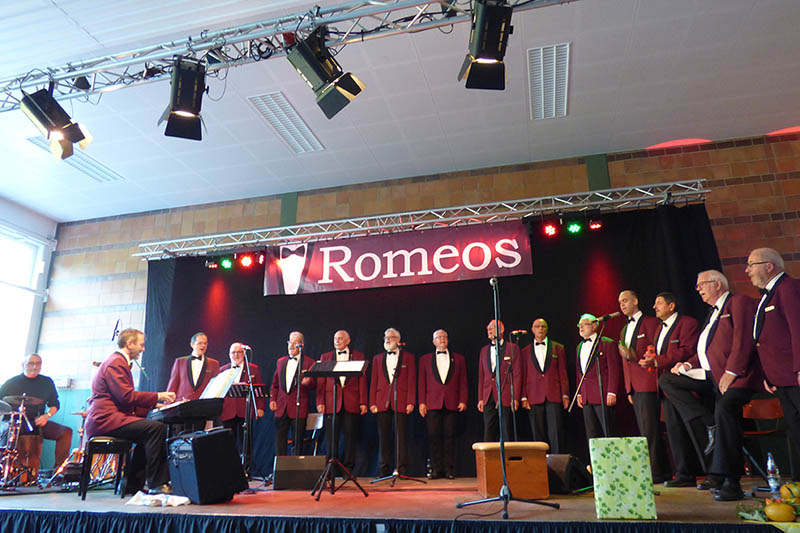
point(243, 390)
point(335, 369)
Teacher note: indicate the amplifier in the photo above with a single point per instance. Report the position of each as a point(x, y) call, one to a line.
point(297, 472)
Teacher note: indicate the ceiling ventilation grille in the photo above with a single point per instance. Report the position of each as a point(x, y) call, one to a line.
point(80, 161)
point(548, 80)
point(289, 126)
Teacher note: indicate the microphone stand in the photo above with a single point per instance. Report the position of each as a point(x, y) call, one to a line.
point(592, 357)
point(298, 437)
point(250, 402)
point(505, 492)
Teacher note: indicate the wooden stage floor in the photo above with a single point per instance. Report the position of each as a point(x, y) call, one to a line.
point(435, 500)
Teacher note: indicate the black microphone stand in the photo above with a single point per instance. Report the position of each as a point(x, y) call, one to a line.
point(395, 475)
point(592, 357)
point(250, 402)
point(298, 378)
point(505, 492)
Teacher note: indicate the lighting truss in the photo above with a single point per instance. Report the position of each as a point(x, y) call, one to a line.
point(349, 23)
point(625, 198)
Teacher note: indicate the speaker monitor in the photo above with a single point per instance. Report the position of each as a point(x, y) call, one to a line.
point(205, 467)
point(297, 472)
point(566, 474)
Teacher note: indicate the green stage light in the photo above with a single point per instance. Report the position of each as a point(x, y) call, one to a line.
point(226, 263)
point(574, 228)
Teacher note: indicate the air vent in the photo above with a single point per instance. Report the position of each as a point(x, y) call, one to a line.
point(548, 80)
point(289, 126)
point(79, 160)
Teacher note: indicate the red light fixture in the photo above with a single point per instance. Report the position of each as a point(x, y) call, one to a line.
point(595, 225)
point(211, 264)
point(550, 229)
point(678, 143)
point(246, 261)
point(260, 259)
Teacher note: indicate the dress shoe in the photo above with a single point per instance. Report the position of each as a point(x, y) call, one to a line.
point(712, 483)
point(729, 492)
point(161, 489)
point(450, 475)
point(681, 481)
point(712, 434)
point(436, 475)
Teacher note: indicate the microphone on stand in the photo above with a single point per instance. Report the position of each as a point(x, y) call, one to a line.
point(609, 316)
point(141, 368)
point(246, 347)
point(493, 282)
point(519, 332)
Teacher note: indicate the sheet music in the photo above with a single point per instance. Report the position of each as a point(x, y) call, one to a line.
point(695, 373)
point(219, 384)
point(349, 366)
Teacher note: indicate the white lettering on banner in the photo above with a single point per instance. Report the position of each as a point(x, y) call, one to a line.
point(336, 259)
point(423, 258)
point(501, 250)
point(327, 264)
point(445, 252)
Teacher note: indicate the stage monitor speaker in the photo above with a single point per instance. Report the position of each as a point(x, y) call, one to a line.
point(297, 472)
point(205, 467)
point(566, 474)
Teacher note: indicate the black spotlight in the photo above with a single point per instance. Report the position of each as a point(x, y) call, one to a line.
point(315, 64)
point(491, 25)
point(54, 123)
point(183, 112)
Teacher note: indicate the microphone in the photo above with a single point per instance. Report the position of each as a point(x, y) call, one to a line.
point(141, 368)
point(493, 282)
point(519, 332)
point(116, 331)
point(246, 347)
point(401, 343)
point(609, 316)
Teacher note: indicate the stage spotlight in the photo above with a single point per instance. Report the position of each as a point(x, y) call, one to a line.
point(54, 123)
point(260, 259)
point(483, 66)
point(246, 261)
point(211, 264)
point(595, 224)
point(226, 263)
point(550, 229)
point(315, 64)
point(186, 97)
point(81, 83)
point(574, 227)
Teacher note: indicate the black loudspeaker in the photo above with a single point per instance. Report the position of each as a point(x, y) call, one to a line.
point(566, 474)
point(204, 466)
point(297, 472)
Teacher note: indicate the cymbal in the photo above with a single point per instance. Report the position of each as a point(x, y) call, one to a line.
point(29, 400)
point(4, 407)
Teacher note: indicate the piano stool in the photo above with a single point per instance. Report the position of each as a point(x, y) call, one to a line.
point(105, 445)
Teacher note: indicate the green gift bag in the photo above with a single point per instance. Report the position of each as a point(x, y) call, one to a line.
point(623, 485)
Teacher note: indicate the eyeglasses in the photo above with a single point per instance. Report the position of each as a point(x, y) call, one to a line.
point(700, 284)
point(751, 265)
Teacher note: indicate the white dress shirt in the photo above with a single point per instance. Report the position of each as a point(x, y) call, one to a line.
point(540, 351)
point(343, 355)
point(493, 354)
point(391, 363)
point(666, 325)
point(443, 364)
point(291, 370)
point(586, 349)
point(197, 368)
point(630, 327)
point(763, 299)
point(703, 339)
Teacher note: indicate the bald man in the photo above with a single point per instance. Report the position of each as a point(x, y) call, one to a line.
point(777, 336)
point(234, 409)
point(488, 402)
point(545, 388)
point(351, 400)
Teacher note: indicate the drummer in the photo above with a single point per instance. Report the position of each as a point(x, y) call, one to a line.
point(41, 392)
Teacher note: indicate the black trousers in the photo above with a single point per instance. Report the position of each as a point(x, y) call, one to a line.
point(236, 425)
point(547, 425)
point(441, 425)
point(386, 443)
point(347, 424)
point(790, 403)
point(593, 420)
point(491, 422)
point(149, 455)
point(647, 408)
point(282, 425)
point(63, 437)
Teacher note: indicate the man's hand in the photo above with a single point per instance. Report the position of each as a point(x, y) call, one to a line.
point(515, 405)
point(320, 407)
point(677, 368)
point(480, 406)
point(363, 409)
point(423, 409)
point(409, 408)
point(307, 382)
point(526, 404)
point(624, 352)
point(725, 382)
point(769, 388)
point(461, 407)
point(565, 402)
point(630, 399)
point(259, 413)
point(580, 401)
point(41, 420)
point(373, 409)
point(648, 361)
point(166, 397)
point(273, 405)
point(611, 399)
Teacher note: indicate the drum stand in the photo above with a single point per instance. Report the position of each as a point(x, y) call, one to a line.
point(75, 460)
point(11, 468)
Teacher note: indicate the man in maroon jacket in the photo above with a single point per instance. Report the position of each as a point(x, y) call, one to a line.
point(730, 373)
point(442, 394)
point(390, 365)
point(636, 339)
point(116, 410)
point(283, 396)
point(777, 336)
point(234, 409)
point(545, 388)
point(487, 386)
point(606, 355)
point(351, 399)
point(191, 373)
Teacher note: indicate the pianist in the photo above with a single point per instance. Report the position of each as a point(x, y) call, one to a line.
point(116, 410)
point(233, 409)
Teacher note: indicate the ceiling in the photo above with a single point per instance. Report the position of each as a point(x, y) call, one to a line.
point(641, 72)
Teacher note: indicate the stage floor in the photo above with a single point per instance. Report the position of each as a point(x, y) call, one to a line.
point(435, 500)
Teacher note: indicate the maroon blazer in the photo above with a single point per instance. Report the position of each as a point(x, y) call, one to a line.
point(679, 345)
point(180, 379)
point(644, 335)
point(608, 356)
point(549, 383)
point(236, 407)
point(730, 346)
point(380, 390)
point(486, 379)
point(778, 333)
point(437, 395)
point(114, 402)
point(287, 401)
point(353, 395)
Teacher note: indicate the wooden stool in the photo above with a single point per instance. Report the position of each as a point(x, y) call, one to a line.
point(526, 469)
point(29, 448)
point(105, 445)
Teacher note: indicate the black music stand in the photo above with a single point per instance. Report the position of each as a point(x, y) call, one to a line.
point(334, 370)
point(250, 392)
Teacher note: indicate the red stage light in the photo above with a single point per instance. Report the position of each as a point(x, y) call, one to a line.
point(260, 259)
point(595, 224)
point(550, 230)
point(211, 264)
point(246, 261)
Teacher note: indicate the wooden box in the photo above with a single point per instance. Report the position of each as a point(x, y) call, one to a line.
point(526, 468)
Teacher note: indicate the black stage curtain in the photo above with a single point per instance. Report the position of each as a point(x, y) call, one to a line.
point(649, 251)
point(177, 522)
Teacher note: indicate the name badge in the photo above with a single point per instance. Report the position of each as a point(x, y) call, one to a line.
point(725, 316)
point(640, 336)
point(769, 308)
point(555, 356)
point(675, 341)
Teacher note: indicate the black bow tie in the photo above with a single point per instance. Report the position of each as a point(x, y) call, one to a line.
point(631, 319)
point(537, 343)
point(342, 352)
point(236, 366)
point(438, 352)
point(391, 353)
point(299, 252)
point(763, 291)
point(200, 357)
point(663, 324)
point(293, 357)
point(715, 308)
point(586, 340)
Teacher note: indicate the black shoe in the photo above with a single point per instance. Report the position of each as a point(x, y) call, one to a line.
point(681, 481)
point(730, 491)
point(450, 475)
point(436, 475)
point(712, 433)
point(161, 489)
point(712, 483)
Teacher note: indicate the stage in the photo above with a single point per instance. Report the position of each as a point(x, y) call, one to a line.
point(409, 506)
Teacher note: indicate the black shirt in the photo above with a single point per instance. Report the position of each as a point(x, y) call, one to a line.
point(41, 386)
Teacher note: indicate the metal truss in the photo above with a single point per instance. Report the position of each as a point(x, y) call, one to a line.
point(348, 23)
point(604, 201)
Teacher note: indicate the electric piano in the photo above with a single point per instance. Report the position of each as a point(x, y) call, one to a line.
point(188, 411)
